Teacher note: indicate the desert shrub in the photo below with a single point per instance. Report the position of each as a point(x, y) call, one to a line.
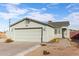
point(56, 40)
point(9, 40)
point(45, 52)
point(43, 44)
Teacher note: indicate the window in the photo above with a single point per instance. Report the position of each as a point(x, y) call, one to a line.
point(57, 31)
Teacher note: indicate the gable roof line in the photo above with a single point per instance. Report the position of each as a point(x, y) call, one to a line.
point(52, 24)
point(30, 20)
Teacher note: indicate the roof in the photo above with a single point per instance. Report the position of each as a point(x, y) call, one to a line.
point(51, 24)
point(59, 24)
point(74, 34)
point(30, 20)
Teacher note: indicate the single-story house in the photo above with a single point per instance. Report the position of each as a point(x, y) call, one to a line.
point(35, 31)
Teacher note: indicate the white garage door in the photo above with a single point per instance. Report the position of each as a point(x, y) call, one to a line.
point(28, 34)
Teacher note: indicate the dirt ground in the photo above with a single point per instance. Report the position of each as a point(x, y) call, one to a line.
point(72, 50)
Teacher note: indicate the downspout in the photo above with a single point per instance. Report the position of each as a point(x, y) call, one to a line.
point(41, 34)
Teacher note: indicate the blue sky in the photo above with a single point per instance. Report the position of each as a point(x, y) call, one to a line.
point(39, 11)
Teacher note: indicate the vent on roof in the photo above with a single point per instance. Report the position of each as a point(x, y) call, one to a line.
point(49, 22)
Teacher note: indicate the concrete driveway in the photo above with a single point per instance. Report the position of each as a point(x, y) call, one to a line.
point(11, 49)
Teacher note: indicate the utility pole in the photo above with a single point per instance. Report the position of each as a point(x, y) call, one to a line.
point(9, 24)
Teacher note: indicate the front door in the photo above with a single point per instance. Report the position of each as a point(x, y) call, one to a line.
point(63, 32)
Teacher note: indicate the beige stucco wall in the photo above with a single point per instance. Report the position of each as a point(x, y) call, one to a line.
point(58, 35)
point(66, 34)
point(48, 32)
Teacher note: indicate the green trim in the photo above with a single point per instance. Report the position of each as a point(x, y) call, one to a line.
point(28, 28)
point(41, 35)
point(30, 20)
point(53, 24)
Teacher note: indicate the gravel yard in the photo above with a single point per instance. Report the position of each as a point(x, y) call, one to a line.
point(55, 51)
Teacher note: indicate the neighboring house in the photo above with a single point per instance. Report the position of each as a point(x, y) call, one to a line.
point(35, 31)
point(74, 35)
point(2, 36)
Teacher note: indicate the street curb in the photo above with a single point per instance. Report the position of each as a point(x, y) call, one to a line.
point(27, 51)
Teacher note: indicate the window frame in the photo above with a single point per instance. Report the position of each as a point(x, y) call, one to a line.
point(57, 31)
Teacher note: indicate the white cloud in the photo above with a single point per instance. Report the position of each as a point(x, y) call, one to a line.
point(6, 15)
point(12, 11)
point(74, 20)
point(3, 27)
point(15, 10)
point(73, 7)
point(15, 3)
point(36, 10)
point(38, 14)
point(41, 16)
point(44, 9)
point(52, 5)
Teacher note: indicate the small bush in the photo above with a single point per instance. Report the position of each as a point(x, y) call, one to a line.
point(56, 40)
point(43, 44)
point(45, 52)
point(9, 40)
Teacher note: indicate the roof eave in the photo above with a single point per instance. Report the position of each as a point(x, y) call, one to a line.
point(31, 20)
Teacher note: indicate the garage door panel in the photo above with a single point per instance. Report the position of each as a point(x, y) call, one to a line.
point(33, 35)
